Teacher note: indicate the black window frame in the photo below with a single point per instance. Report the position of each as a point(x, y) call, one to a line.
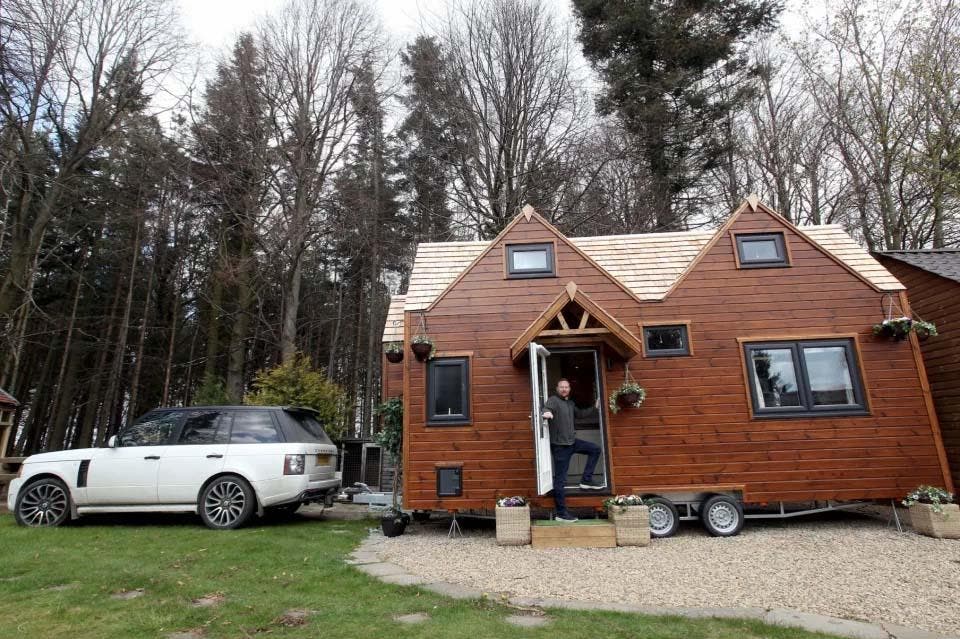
point(667, 352)
point(807, 408)
point(460, 419)
point(458, 473)
point(550, 271)
point(781, 244)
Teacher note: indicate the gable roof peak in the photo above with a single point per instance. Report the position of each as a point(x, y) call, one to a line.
point(753, 200)
point(527, 211)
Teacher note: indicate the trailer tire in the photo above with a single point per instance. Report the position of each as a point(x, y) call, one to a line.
point(664, 517)
point(722, 516)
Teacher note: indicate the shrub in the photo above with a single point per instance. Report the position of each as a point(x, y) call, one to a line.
point(211, 392)
point(297, 383)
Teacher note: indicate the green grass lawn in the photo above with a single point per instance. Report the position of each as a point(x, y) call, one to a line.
point(59, 582)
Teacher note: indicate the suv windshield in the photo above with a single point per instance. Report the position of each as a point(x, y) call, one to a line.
point(312, 430)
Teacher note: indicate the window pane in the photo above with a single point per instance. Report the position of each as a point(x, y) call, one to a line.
point(152, 429)
point(449, 482)
point(204, 427)
point(776, 378)
point(312, 430)
point(530, 260)
point(448, 395)
point(829, 373)
point(760, 250)
point(666, 338)
point(253, 427)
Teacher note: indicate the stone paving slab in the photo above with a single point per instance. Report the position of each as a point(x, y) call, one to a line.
point(527, 621)
point(364, 557)
point(822, 623)
point(381, 569)
point(415, 617)
point(902, 632)
point(404, 580)
point(454, 591)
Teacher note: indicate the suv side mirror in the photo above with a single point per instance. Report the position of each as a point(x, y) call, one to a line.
point(113, 442)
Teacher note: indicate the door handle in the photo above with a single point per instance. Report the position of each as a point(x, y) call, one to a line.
point(152, 457)
point(214, 456)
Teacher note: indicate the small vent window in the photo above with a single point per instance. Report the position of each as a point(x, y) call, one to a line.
point(761, 250)
point(450, 481)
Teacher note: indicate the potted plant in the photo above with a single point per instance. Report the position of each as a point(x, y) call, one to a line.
point(394, 352)
point(932, 512)
point(629, 395)
point(631, 519)
point(924, 329)
point(422, 347)
point(513, 521)
point(897, 328)
point(393, 521)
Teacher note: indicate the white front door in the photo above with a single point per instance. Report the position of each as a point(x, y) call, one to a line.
point(127, 474)
point(541, 432)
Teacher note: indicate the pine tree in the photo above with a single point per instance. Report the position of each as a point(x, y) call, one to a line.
point(662, 63)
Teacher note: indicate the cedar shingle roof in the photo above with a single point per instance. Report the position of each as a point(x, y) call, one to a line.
point(393, 330)
point(648, 264)
point(6, 399)
point(942, 262)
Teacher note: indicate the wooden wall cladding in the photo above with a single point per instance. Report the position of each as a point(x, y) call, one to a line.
point(695, 427)
point(937, 299)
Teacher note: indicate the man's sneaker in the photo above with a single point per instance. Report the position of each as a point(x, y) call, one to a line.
point(590, 485)
point(566, 518)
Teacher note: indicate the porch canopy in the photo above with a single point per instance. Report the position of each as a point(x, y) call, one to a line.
point(573, 316)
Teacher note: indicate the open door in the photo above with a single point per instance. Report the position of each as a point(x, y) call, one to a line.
point(541, 433)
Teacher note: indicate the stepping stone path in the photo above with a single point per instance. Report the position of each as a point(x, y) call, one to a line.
point(415, 617)
point(208, 601)
point(527, 621)
point(186, 634)
point(61, 587)
point(125, 595)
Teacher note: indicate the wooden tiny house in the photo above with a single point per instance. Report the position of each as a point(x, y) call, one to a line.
point(933, 280)
point(753, 343)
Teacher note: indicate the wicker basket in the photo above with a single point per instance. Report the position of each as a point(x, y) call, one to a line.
point(943, 525)
point(632, 524)
point(513, 525)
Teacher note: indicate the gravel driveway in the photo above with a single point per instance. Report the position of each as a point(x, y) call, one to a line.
point(856, 568)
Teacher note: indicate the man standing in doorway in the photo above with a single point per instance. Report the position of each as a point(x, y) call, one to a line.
point(561, 411)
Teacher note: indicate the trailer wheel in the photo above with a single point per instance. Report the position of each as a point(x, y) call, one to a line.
point(722, 516)
point(664, 518)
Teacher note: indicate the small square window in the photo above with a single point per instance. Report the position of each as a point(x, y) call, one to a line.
point(448, 393)
point(666, 341)
point(761, 250)
point(530, 260)
point(450, 481)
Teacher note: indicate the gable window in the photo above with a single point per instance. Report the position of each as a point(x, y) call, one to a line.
point(530, 260)
point(666, 341)
point(761, 250)
point(449, 481)
point(815, 377)
point(448, 391)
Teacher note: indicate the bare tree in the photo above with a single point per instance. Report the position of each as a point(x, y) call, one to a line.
point(311, 51)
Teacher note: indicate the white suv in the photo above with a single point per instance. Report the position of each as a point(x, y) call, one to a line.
point(223, 462)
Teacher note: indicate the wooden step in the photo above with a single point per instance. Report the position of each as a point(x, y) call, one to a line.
point(587, 533)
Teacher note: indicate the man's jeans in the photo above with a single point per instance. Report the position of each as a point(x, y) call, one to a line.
point(561, 464)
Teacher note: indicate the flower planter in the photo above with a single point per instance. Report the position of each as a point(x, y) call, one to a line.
point(421, 351)
point(394, 525)
point(513, 525)
point(632, 524)
point(395, 357)
point(942, 525)
point(627, 400)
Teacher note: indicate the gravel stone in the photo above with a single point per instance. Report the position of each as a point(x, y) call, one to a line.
point(851, 568)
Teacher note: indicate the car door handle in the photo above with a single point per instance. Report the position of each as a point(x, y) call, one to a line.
point(214, 456)
point(152, 457)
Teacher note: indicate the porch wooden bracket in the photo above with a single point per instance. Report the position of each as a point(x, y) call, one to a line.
point(610, 330)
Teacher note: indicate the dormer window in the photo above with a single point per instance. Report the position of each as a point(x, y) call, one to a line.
point(530, 260)
point(761, 250)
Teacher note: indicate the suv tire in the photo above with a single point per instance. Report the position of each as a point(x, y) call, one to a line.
point(227, 502)
point(43, 503)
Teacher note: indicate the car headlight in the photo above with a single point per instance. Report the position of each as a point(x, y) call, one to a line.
point(294, 464)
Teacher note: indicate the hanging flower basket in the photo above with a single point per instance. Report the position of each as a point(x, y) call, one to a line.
point(394, 352)
point(629, 395)
point(924, 329)
point(422, 347)
point(899, 328)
